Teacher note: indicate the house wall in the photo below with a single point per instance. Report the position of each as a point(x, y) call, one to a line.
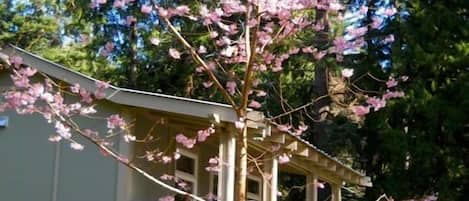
point(142, 188)
point(32, 168)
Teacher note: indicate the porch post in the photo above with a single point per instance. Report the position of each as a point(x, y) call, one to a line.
point(336, 194)
point(227, 155)
point(270, 185)
point(311, 187)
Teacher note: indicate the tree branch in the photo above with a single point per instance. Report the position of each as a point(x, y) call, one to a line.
point(199, 60)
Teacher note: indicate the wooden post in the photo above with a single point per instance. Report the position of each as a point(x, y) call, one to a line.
point(270, 185)
point(227, 155)
point(311, 187)
point(336, 194)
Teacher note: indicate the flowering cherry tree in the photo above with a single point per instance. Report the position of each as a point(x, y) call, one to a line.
point(248, 39)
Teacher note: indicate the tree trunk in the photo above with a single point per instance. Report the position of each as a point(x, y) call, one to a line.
point(132, 68)
point(320, 88)
point(242, 169)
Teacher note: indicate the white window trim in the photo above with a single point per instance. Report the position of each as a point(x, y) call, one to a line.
point(252, 195)
point(211, 184)
point(186, 176)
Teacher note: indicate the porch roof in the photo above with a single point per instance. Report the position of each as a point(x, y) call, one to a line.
point(190, 107)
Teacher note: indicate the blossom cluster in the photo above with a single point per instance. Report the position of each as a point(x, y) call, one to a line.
point(47, 98)
point(376, 103)
point(189, 142)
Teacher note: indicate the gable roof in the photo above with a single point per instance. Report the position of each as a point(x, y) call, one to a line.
point(186, 106)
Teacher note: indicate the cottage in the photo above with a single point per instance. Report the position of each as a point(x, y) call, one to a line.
point(33, 168)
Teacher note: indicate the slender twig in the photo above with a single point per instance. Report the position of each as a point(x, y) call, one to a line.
point(199, 60)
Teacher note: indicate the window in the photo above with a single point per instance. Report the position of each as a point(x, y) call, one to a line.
point(254, 188)
point(186, 172)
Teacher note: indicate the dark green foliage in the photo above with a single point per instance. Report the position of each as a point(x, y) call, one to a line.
point(420, 145)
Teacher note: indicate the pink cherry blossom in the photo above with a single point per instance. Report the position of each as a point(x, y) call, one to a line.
point(307, 49)
point(48, 97)
point(319, 55)
point(55, 138)
point(166, 159)
point(390, 11)
point(391, 83)
point(36, 90)
point(202, 135)
point(130, 20)
point(213, 165)
point(163, 12)
point(283, 158)
point(211, 197)
point(202, 49)
point(376, 103)
point(166, 177)
point(347, 72)
point(284, 127)
point(261, 93)
point(75, 88)
point(231, 87)
point(174, 53)
point(255, 104)
point(240, 124)
point(213, 34)
point(166, 198)
point(360, 110)
point(129, 138)
point(186, 142)
point(229, 51)
point(335, 6)
point(16, 61)
point(363, 10)
point(76, 146)
point(176, 155)
point(149, 156)
point(340, 45)
point(62, 130)
point(389, 38)
point(207, 84)
point(28, 72)
point(85, 96)
point(20, 81)
point(155, 41)
point(146, 9)
point(404, 78)
point(376, 22)
point(118, 4)
point(182, 10)
point(393, 94)
point(115, 121)
point(320, 185)
point(303, 127)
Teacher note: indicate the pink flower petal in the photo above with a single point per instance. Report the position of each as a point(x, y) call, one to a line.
point(174, 53)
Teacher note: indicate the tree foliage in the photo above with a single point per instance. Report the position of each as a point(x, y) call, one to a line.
point(419, 145)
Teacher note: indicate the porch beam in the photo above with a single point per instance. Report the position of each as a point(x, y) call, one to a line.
point(277, 138)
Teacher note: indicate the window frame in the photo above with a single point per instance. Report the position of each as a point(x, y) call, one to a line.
point(253, 196)
point(212, 184)
point(184, 175)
